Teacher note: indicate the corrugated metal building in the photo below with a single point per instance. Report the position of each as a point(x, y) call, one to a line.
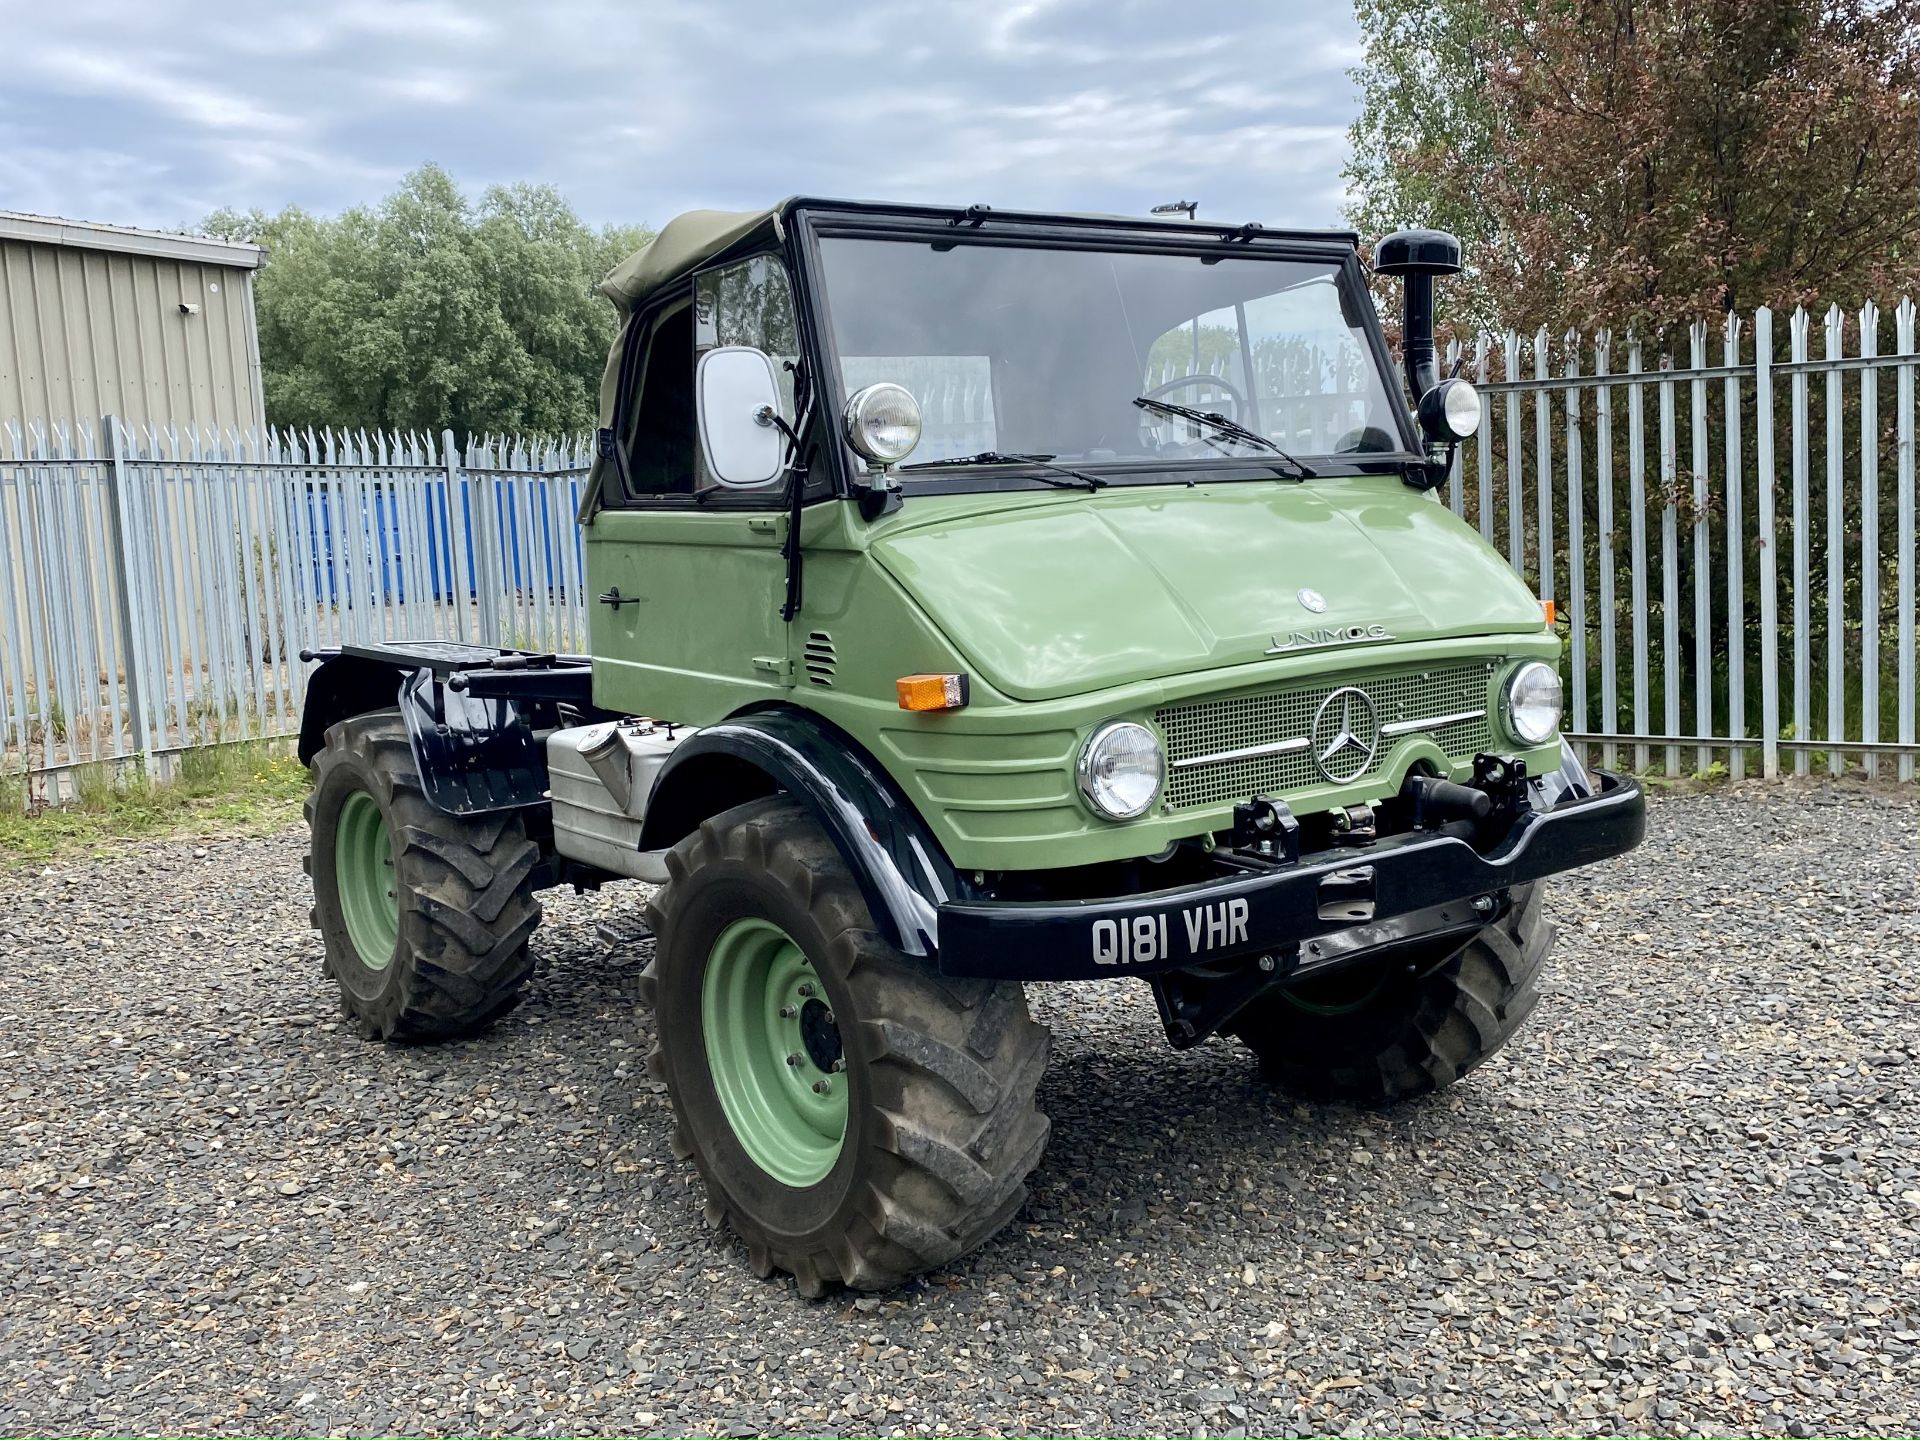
point(105, 320)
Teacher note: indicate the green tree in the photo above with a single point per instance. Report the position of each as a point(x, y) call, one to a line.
point(1422, 95)
point(1620, 161)
point(1640, 164)
point(429, 311)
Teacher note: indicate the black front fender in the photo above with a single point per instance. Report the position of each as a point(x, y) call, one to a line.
point(902, 872)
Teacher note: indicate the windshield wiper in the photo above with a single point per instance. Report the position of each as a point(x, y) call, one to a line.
point(1081, 479)
point(1232, 429)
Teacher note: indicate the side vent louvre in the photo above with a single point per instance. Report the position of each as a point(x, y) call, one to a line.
point(819, 658)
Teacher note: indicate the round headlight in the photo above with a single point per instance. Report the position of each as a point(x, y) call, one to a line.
point(1450, 411)
point(1121, 768)
point(1534, 703)
point(882, 422)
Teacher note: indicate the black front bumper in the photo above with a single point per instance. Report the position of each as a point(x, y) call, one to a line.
point(1400, 888)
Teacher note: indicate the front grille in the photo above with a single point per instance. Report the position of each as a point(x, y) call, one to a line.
point(1238, 722)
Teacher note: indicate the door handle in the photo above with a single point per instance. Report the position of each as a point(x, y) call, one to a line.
point(615, 599)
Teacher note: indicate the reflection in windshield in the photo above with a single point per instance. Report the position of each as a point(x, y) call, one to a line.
point(1027, 350)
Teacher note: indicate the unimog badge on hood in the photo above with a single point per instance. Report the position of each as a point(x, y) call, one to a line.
point(1291, 640)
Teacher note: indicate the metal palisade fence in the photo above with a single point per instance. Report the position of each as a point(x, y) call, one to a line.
point(1727, 525)
point(158, 585)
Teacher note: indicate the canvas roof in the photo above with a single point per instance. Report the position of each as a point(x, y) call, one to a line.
point(684, 244)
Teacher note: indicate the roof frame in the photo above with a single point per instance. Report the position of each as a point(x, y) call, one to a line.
point(125, 240)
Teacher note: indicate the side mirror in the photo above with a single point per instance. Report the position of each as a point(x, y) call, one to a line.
point(739, 399)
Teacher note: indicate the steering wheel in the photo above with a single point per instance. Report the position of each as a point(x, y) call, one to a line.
point(1194, 382)
point(1150, 422)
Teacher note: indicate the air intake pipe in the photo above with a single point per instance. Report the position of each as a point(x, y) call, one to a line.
point(1448, 410)
point(1418, 255)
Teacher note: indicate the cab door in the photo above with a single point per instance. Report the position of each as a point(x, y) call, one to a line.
point(686, 576)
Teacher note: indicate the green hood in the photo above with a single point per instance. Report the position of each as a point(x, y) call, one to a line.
point(1047, 597)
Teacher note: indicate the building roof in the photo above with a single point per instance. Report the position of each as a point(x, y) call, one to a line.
point(125, 240)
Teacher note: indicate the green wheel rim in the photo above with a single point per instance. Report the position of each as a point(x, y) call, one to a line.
point(1346, 1004)
point(772, 1050)
point(363, 876)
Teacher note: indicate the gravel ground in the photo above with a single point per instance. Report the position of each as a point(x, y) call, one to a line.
point(1686, 1199)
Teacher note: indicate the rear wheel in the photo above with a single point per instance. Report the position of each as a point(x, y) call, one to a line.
point(856, 1119)
point(425, 916)
point(1395, 1028)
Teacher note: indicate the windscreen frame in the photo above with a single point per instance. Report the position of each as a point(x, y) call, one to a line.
point(1337, 250)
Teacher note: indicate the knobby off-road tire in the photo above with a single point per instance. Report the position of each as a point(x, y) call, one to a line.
point(767, 968)
point(425, 915)
point(1379, 1034)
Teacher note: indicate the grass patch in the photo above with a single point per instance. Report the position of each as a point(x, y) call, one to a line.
point(245, 788)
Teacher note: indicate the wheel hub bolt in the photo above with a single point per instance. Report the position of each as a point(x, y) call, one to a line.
point(787, 1012)
point(806, 989)
point(794, 1058)
point(839, 1065)
point(829, 1017)
point(822, 1087)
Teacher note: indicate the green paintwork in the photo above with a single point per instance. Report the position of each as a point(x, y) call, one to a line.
point(706, 638)
point(787, 1127)
point(1067, 609)
point(363, 876)
point(1143, 583)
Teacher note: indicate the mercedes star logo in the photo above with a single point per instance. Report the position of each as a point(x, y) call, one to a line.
point(1313, 600)
point(1346, 735)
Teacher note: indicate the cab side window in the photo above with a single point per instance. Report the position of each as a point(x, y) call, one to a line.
point(749, 302)
point(659, 440)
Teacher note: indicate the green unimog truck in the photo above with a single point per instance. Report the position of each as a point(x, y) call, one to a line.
point(983, 597)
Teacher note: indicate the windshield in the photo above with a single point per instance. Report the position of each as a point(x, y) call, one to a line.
point(1022, 351)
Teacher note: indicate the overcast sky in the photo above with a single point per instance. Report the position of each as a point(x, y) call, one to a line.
point(156, 112)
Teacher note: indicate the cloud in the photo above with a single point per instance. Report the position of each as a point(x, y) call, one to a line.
point(636, 113)
point(145, 82)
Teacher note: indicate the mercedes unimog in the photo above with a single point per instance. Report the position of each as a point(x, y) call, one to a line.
point(978, 598)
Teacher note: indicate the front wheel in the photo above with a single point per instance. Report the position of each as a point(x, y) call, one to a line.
point(1393, 1028)
point(856, 1118)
